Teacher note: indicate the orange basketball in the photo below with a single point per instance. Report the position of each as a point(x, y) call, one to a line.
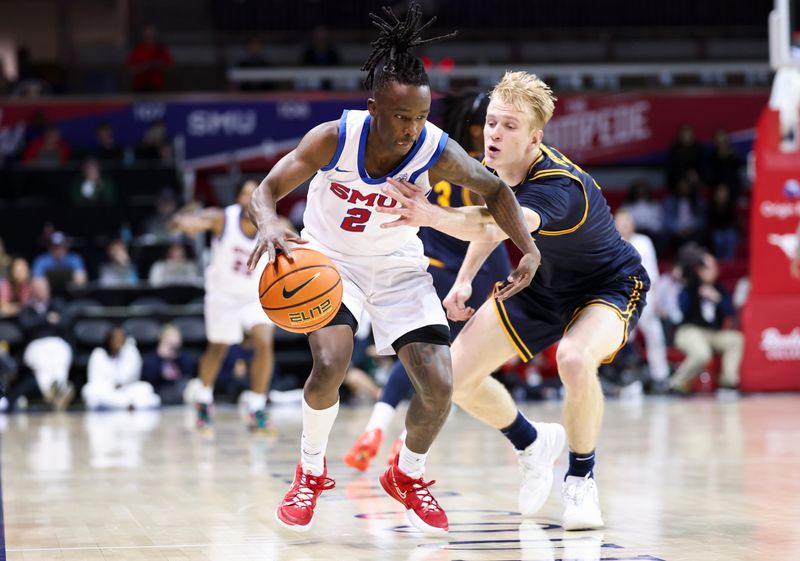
point(301, 295)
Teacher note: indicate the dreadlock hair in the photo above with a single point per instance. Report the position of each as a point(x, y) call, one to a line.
point(395, 40)
point(461, 111)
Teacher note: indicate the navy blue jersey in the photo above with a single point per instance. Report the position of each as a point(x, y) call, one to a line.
point(447, 252)
point(585, 262)
point(580, 245)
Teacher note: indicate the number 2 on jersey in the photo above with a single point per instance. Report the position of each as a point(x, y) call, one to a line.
point(356, 220)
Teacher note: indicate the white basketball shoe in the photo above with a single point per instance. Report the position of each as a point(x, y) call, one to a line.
point(536, 463)
point(581, 504)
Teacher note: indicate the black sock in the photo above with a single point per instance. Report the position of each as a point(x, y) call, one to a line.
point(521, 432)
point(581, 465)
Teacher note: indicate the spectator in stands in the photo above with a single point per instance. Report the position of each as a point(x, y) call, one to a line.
point(148, 63)
point(649, 322)
point(169, 368)
point(113, 375)
point(320, 52)
point(175, 269)
point(47, 150)
point(253, 57)
point(6, 85)
point(685, 155)
point(118, 270)
point(5, 260)
point(156, 226)
point(91, 188)
point(106, 150)
point(155, 146)
point(708, 313)
point(647, 213)
point(59, 264)
point(725, 165)
point(723, 222)
point(15, 291)
point(48, 354)
point(685, 212)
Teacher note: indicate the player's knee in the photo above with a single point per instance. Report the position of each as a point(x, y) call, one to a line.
point(438, 393)
point(574, 364)
point(463, 392)
point(328, 370)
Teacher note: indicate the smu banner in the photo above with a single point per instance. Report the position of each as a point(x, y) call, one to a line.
point(591, 129)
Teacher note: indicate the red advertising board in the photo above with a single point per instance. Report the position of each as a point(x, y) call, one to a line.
point(771, 321)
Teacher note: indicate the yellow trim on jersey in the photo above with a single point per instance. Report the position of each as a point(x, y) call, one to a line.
point(505, 322)
point(436, 263)
point(551, 172)
point(623, 316)
point(466, 197)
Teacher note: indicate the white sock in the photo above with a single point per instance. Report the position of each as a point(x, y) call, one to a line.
point(256, 402)
point(382, 415)
point(205, 395)
point(411, 463)
point(317, 424)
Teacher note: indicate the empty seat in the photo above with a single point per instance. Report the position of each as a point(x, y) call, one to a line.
point(144, 330)
point(148, 304)
point(80, 306)
point(10, 332)
point(193, 329)
point(92, 332)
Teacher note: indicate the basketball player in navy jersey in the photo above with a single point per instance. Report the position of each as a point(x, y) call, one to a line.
point(588, 293)
point(464, 115)
point(383, 271)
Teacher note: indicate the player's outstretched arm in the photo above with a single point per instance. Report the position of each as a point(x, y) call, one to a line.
point(194, 222)
point(315, 150)
point(458, 167)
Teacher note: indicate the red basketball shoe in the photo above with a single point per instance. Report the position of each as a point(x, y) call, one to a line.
point(297, 508)
point(422, 510)
point(365, 448)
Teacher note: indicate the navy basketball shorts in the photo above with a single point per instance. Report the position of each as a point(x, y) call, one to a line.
point(534, 319)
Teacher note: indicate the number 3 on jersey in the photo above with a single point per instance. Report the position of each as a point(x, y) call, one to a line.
point(356, 220)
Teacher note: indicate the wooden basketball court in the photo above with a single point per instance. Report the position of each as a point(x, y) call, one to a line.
point(696, 479)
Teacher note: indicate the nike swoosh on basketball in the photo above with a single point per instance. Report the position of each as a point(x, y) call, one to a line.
point(342, 170)
point(289, 293)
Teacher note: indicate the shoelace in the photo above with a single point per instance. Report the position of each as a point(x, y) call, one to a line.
point(421, 491)
point(577, 492)
point(307, 488)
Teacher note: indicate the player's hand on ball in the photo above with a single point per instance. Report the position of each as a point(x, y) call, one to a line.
point(275, 237)
point(414, 208)
point(520, 277)
point(455, 303)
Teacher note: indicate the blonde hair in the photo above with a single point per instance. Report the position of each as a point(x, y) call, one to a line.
point(527, 93)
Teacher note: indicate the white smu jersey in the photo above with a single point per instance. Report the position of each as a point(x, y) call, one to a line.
point(342, 197)
point(227, 268)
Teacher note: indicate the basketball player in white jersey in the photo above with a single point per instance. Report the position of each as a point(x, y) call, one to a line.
point(232, 308)
point(384, 271)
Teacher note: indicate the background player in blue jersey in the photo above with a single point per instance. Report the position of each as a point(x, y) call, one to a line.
point(588, 292)
point(464, 115)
